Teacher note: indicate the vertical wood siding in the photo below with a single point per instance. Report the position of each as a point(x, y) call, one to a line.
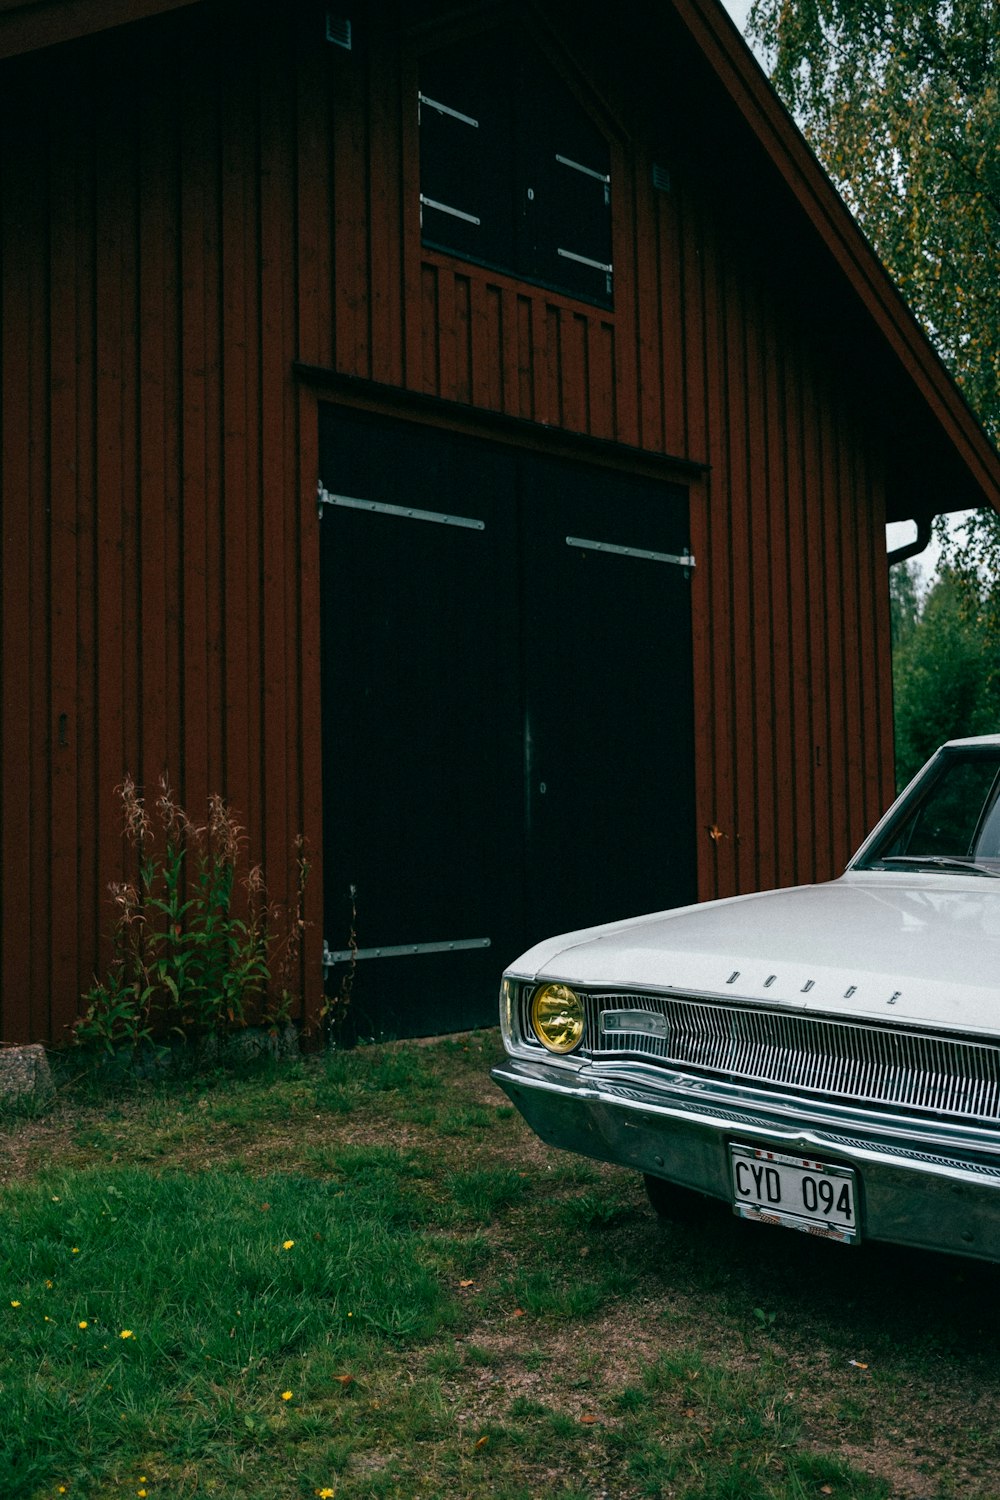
point(153, 508)
point(190, 206)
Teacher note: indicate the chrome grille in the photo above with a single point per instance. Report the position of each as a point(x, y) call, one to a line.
point(839, 1060)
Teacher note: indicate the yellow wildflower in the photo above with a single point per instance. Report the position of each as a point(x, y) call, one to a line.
point(82, 1323)
point(286, 1395)
point(288, 1244)
point(126, 1333)
point(15, 1304)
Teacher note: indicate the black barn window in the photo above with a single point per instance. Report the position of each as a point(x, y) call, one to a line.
point(514, 173)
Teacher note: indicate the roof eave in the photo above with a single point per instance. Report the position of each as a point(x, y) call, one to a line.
point(30, 25)
point(739, 73)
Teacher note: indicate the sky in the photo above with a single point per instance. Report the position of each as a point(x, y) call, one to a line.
point(738, 10)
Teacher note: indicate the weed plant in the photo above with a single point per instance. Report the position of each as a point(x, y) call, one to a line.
point(198, 950)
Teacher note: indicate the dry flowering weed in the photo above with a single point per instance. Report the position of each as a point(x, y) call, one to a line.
point(198, 948)
point(175, 822)
point(138, 828)
point(226, 834)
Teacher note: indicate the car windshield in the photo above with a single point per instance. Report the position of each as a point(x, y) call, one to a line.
point(950, 820)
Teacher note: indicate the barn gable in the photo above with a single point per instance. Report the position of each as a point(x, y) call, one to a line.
point(643, 657)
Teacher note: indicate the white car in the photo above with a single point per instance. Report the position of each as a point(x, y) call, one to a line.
point(825, 1058)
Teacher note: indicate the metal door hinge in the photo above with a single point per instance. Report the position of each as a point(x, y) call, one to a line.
point(402, 512)
point(333, 956)
point(682, 560)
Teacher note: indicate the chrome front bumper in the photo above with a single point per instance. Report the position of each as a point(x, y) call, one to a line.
point(920, 1184)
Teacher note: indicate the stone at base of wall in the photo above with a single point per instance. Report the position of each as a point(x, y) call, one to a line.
point(24, 1070)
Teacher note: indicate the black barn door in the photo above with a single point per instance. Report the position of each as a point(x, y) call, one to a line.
point(608, 700)
point(506, 712)
point(422, 754)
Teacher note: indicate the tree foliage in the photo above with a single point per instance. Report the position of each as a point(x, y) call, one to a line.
point(900, 99)
point(944, 674)
point(973, 554)
point(904, 603)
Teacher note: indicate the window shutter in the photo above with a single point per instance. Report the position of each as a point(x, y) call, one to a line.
point(513, 171)
point(466, 153)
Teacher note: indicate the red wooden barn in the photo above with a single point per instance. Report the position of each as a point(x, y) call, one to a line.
point(462, 433)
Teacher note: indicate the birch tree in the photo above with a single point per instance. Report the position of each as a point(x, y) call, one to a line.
point(900, 100)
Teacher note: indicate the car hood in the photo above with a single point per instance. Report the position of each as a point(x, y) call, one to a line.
point(922, 949)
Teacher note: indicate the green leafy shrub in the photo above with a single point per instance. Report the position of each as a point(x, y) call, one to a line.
point(198, 950)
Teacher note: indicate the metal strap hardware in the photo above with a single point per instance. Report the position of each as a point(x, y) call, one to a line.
point(444, 208)
point(602, 177)
point(585, 260)
point(685, 560)
point(333, 956)
point(579, 167)
point(446, 109)
point(404, 512)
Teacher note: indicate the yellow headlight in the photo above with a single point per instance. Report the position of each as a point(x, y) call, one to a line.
point(557, 1017)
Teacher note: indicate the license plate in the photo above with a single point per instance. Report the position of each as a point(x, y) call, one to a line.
point(795, 1192)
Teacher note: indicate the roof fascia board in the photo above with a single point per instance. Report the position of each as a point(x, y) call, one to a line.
point(45, 23)
point(719, 39)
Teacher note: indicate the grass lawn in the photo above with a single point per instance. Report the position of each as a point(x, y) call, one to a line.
point(361, 1275)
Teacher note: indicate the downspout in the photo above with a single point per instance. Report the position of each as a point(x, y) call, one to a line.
point(923, 537)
